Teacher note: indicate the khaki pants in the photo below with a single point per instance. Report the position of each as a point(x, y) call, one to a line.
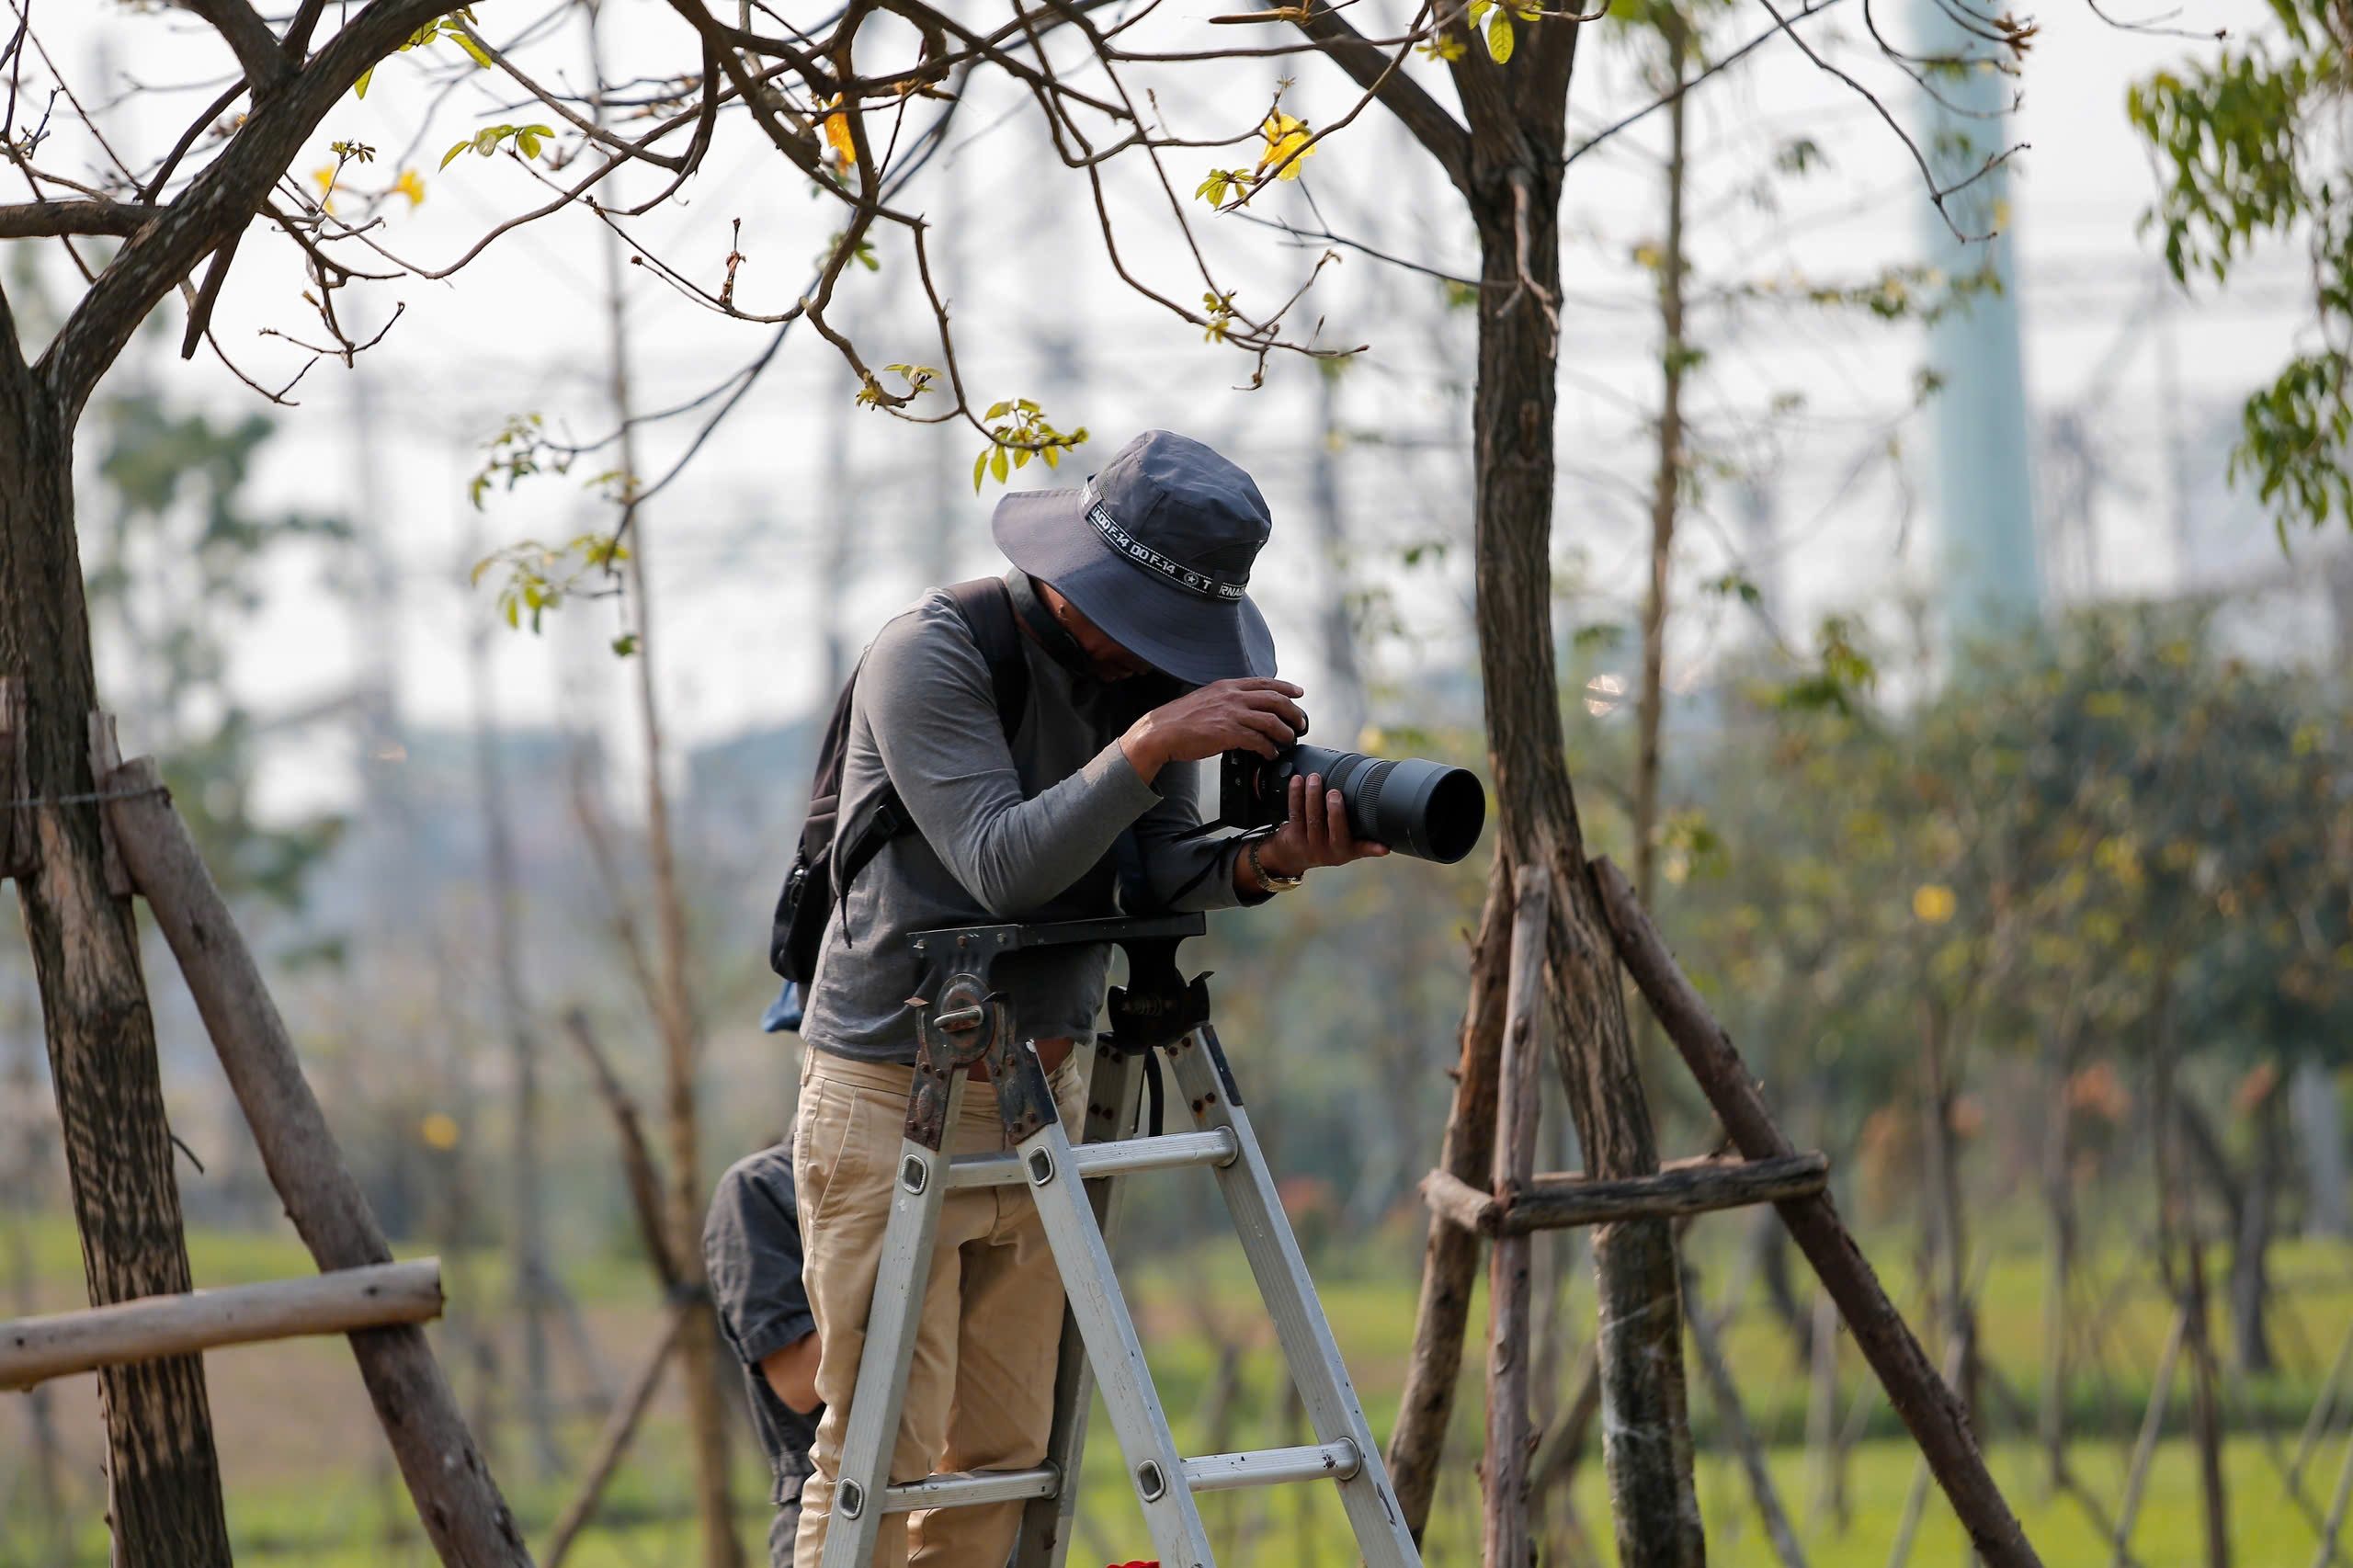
point(981, 1394)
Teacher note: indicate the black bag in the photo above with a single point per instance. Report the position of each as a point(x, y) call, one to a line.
point(825, 865)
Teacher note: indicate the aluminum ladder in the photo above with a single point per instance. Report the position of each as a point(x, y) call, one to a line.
point(965, 1022)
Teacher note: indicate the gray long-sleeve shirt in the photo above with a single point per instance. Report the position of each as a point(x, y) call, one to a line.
point(1004, 829)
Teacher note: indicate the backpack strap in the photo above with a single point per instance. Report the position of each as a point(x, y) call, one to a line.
point(987, 608)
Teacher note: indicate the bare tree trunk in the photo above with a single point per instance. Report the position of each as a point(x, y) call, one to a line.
point(1646, 1438)
point(1450, 1253)
point(162, 1476)
point(2059, 1244)
point(1666, 486)
point(526, 1232)
point(673, 1002)
point(670, 995)
point(2178, 1222)
point(1943, 1159)
point(2250, 1273)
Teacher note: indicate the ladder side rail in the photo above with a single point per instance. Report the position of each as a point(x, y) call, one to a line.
point(1154, 1469)
point(1114, 1109)
point(1205, 1082)
point(900, 1281)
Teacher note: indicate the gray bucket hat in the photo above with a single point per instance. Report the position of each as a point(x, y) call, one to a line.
point(1156, 550)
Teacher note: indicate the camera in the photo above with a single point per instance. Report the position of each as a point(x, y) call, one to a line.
point(1427, 810)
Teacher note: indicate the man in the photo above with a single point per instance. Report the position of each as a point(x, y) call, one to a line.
point(1145, 657)
point(751, 1249)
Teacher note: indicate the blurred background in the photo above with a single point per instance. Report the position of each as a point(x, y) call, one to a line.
point(2003, 763)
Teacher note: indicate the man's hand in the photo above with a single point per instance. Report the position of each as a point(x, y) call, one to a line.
point(1251, 714)
point(1316, 835)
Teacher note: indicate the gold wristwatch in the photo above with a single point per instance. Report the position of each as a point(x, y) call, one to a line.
point(1268, 880)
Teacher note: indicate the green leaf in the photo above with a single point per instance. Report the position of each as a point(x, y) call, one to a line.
point(528, 143)
point(980, 469)
point(359, 88)
point(1499, 37)
point(625, 644)
point(450, 156)
point(462, 42)
point(997, 464)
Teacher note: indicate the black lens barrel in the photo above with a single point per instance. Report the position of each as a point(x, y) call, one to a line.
point(1427, 810)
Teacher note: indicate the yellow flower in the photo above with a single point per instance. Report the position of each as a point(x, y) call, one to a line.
point(1933, 903)
point(409, 185)
point(439, 1131)
point(837, 137)
point(1288, 144)
point(324, 175)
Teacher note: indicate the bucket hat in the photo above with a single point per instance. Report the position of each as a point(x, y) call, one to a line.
point(1155, 548)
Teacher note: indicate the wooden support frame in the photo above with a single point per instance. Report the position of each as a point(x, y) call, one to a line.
point(1572, 1198)
point(465, 1516)
point(1925, 1402)
point(58, 1345)
point(1510, 1288)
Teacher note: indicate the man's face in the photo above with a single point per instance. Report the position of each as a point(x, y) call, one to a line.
point(1111, 662)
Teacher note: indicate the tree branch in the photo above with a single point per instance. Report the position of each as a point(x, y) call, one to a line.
point(48, 219)
point(221, 199)
point(1438, 133)
point(257, 48)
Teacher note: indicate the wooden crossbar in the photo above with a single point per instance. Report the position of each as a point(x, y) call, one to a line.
point(1567, 1200)
point(33, 1350)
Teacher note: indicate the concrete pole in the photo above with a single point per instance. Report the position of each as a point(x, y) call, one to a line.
point(1989, 579)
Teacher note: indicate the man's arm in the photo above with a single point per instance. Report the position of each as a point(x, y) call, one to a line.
point(928, 704)
point(793, 1373)
point(751, 1245)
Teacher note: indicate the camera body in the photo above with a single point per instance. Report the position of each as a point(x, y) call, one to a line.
point(1427, 810)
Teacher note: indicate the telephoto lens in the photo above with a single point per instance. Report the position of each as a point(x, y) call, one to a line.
point(1427, 810)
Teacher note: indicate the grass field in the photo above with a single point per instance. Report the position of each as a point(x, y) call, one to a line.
point(310, 1481)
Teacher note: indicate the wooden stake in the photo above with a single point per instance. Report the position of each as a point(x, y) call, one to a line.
point(1450, 1255)
point(1924, 1400)
point(2324, 1405)
point(1734, 1415)
point(1915, 1499)
point(1570, 1200)
point(33, 1350)
point(105, 755)
point(464, 1516)
point(2151, 1423)
point(1509, 1301)
point(619, 1429)
point(2336, 1506)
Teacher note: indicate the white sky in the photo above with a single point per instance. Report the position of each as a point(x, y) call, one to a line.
point(733, 543)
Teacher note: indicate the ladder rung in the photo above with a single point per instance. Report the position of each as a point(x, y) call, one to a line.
point(969, 1488)
point(1336, 1460)
point(1172, 1150)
